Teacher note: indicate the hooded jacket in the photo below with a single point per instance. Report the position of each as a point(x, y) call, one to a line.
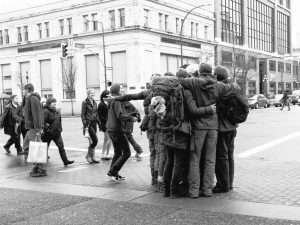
point(33, 112)
point(53, 119)
point(130, 109)
point(8, 119)
point(206, 91)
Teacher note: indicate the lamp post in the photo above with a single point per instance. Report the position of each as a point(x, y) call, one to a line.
point(182, 22)
point(265, 80)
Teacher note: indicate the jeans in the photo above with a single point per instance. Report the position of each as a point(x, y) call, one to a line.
point(162, 156)
point(93, 135)
point(121, 152)
point(173, 173)
point(106, 144)
point(205, 144)
point(134, 144)
point(59, 143)
point(225, 160)
point(152, 152)
point(14, 139)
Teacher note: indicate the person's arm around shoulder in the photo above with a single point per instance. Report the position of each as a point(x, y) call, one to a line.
point(197, 111)
point(120, 112)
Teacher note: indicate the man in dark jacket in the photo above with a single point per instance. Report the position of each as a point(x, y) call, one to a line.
point(53, 129)
point(8, 121)
point(34, 120)
point(225, 145)
point(285, 100)
point(205, 90)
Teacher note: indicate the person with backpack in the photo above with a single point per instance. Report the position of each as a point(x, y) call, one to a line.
point(116, 128)
point(9, 121)
point(224, 169)
point(90, 120)
point(53, 129)
point(285, 100)
point(103, 113)
point(205, 90)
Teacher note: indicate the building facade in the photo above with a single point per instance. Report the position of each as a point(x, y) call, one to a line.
point(254, 40)
point(141, 37)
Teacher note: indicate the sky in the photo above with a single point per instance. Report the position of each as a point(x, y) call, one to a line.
point(12, 5)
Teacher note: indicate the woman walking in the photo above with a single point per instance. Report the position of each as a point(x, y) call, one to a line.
point(90, 119)
point(116, 129)
point(53, 129)
point(8, 121)
point(103, 113)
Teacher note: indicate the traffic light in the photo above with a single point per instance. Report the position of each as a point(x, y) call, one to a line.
point(64, 49)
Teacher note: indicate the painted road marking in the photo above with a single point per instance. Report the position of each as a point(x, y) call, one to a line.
point(72, 169)
point(265, 146)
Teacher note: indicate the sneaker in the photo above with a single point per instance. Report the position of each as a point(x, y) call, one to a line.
point(205, 195)
point(120, 177)
point(113, 178)
point(138, 154)
point(38, 173)
point(218, 190)
point(192, 196)
point(7, 149)
point(20, 153)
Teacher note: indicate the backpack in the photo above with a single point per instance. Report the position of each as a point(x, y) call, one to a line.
point(235, 108)
point(175, 127)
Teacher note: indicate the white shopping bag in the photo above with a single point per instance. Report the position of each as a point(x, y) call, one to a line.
point(38, 152)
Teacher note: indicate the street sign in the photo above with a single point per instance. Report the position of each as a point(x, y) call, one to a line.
point(71, 42)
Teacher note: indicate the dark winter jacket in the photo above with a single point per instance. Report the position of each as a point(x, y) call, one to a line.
point(117, 117)
point(205, 91)
point(8, 119)
point(52, 121)
point(89, 113)
point(130, 109)
point(103, 114)
point(33, 112)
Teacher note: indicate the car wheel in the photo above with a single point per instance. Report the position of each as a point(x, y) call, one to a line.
point(266, 105)
point(256, 105)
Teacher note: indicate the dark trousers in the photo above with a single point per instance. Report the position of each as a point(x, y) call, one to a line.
point(14, 139)
point(225, 160)
point(174, 168)
point(121, 151)
point(59, 143)
point(134, 144)
point(285, 103)
point(93, 135)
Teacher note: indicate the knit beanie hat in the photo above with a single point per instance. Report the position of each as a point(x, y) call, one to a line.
point(50, 100)
point(221, 73)
point(205, 69)
point(182, 73)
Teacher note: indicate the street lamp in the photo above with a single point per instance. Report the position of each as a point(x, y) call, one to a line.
point(265, 80)
point(181, 57)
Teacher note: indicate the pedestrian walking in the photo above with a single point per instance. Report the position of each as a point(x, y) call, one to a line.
point(90, 120)
point(285, 100)
point(130, 109)
point(9, 122)
point(117, 131)
point(20, 118)
point(103, 114)
point(53, 129)
point(34, 119)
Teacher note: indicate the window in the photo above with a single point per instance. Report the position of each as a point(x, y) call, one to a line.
point(68, 72)
point(252, 62)
point(226, 58)
point(92, 71)
point(272, 65)
point(281, 2)
point(283, 33)
point(177, 26)
point(47, 29)
point(69, 21)
point(240, 60)
point(146, 18)
point(160, 20)
point(85, 23)
point(24, 72)
point(6, 78)
point(118, 62)
point(95, 22)
point(171, 63)
point(192, 29)
point(280, 67)
point(25, 30)
point(288, 4)
point(6, 36)
point(39, 25)
point(288, 67)
point(46, 75)
point(197, 29)
point(62, 26)
point(206, 32)
point(252, 88)
point(1, 38)
point(280, 87)
point(112, 16)
point(166, 23)
point(19, 34)
point(122, 17)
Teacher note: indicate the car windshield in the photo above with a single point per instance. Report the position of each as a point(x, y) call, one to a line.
point(253, 97)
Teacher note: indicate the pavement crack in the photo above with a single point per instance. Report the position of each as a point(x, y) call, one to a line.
point(169, 213)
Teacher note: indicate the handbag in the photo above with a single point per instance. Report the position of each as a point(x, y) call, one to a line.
point(38, 151)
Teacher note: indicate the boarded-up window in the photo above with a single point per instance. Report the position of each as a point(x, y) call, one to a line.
point(46, 78)
point(92, 71)
point(119, 66)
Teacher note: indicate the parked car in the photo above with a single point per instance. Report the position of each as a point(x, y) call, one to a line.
point(257, 101)
point(276, 101)
point(294, 99)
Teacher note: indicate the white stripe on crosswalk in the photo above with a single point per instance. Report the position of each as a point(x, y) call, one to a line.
point(67, 170)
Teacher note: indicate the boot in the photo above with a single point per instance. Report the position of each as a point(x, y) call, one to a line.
point(166, 189)
point(64, 158)
point(153, 177)
point(89, 155)
point(93, 156)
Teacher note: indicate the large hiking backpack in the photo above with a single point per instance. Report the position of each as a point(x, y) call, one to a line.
point(235, 107)
point(173, 125)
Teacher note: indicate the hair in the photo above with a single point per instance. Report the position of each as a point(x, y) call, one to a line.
point(115, 89)
point(109, 83)
point(169, 74)
point(29, 87)
point(89, 91)
point(184, 66)
point(104, 94)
